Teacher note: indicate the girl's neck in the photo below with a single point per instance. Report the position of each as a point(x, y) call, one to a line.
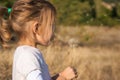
point(27, 42)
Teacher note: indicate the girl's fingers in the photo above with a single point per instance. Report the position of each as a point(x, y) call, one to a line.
point(74, 70)
point(76, 75)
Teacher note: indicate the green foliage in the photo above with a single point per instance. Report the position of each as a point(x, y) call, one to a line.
point(72, 12)
point(118, 9)
point(7, 3)
point(91, 12)
point(77, 12)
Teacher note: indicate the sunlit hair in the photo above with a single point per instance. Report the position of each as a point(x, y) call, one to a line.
point(25, 11)
point(5, 34)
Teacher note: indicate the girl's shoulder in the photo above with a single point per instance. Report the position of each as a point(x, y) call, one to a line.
point(26, 50)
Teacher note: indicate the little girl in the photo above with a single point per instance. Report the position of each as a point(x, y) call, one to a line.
point(33, 21)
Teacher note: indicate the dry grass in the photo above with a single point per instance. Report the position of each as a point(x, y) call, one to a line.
point(6, 64)
point(92, 62)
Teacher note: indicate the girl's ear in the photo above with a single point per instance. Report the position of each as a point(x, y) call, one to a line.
point(35, 27)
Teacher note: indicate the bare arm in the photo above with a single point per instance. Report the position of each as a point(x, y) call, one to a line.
point(67, 74)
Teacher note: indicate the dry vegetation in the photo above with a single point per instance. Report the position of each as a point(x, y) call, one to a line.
point(93, 51)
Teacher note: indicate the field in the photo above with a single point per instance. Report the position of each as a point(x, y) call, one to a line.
point(93, 51)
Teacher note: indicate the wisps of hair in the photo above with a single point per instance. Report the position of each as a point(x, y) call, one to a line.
point(5, 34)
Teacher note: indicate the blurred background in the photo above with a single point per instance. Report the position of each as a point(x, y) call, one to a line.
point(78, 12)
point(87, 37)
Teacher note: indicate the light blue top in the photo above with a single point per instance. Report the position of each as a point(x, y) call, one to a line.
point(28, 64)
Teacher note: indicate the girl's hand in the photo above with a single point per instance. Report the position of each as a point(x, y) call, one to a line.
point(69, 73)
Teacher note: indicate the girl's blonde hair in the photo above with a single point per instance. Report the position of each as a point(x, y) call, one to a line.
point(5, 35)
point(25, 11)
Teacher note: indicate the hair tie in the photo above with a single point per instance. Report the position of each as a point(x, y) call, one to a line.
point(9, 10)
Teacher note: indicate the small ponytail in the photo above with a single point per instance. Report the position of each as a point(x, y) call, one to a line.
point(5, 34)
